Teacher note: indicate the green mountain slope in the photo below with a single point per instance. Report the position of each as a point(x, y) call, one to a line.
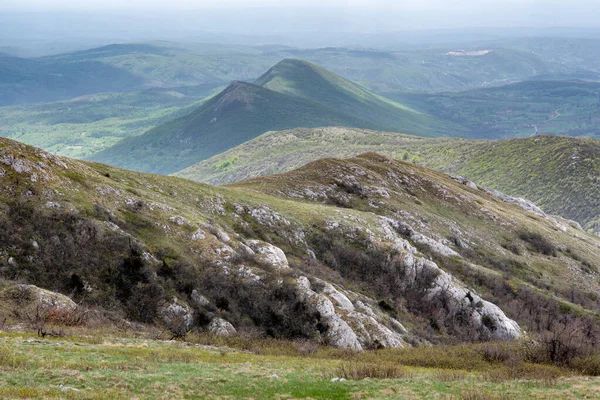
point(557, 173)
point(303, 79)
point(305, 96)
point(238, 114)
point(358, 253)
point(519, 110)
point(38, 80)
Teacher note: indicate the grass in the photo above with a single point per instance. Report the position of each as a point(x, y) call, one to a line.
point(127, 367)
point(558, 173)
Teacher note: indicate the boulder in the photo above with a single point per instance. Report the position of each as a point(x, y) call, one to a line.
point(30, 297)
point(220, 327)
point(177, 315)
point(269, 254)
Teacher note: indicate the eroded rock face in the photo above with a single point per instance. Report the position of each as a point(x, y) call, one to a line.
point(523, 203)
point(268, 254)
point(348, 326)
point(220, 327)
point(462, 303)
point(176, 315)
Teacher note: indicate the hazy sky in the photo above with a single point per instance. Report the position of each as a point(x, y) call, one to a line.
point(126, 20)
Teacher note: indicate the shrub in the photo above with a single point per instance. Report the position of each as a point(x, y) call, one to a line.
point(359, 370)
point(538, 243)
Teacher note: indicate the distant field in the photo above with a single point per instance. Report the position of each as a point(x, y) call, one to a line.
point(85, 125)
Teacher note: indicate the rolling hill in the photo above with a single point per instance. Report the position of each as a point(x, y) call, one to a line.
point(558, 173)
point(356, 253)
point(243, 111)
point(567, 107)
point(38, 80)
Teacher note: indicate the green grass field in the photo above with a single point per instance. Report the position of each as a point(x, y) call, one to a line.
point(89, 367)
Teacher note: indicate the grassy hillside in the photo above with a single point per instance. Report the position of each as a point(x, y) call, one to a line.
point(368, 235)
point(304, 96)
point(238, 114)
point(85, 125)
point(558, 173)
point(309, 81)
point(518, 110)
point(276, 152)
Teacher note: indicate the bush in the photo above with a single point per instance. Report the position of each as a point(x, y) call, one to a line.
point(538, 243)
point(358, 370)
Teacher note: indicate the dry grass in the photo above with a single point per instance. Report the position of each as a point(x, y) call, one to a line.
point(358, 370)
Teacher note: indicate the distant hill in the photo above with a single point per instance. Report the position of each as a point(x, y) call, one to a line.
point(560, 174)
point(39, 80)
point(564, 107)
point(87, 124)
point(135, 66)
point(306, 96)
point(309, 81)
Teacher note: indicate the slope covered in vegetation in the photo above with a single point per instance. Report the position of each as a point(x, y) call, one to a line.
point(359, 253)
point(304, 95)
point(517, 110)
point(557, 173)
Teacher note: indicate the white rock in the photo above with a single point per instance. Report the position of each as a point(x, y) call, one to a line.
point(220, 327)
point(199, 235)
point(269, 254)
point(199, 299)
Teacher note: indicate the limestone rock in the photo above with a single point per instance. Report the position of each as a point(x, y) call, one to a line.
point(176, 314)
point(30, 297)
point(269, 254)
point(220, 327)
point(199, 299)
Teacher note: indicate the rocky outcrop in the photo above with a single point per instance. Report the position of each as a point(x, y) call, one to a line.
point(32, 297)
point(268, 254)
point(462, 304)
point(523, 203)
point(347, 326)
point(176, 315)
point(220, 327)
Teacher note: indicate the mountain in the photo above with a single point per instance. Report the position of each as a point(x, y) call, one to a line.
point(558, 173)
point(38, 80)
point(358, 253)
point(568, 107)
point(311, 82)
point(243, 111)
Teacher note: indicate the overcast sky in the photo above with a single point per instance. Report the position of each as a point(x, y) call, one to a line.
point(128, 20)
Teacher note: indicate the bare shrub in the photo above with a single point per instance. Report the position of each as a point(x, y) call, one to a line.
point(449, 375)
point(358, 370)
point(306, 347)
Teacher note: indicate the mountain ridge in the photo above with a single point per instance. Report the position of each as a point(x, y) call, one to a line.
point(360, 253)
point(537, 168)
point(244, 110)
